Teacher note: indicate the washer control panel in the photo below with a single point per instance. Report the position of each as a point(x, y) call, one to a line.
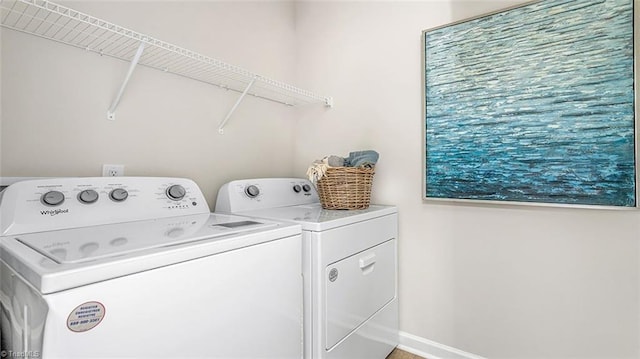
point(252, 194)
point(50, 204)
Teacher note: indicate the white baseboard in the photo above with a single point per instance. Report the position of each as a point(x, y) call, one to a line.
point(431, 350)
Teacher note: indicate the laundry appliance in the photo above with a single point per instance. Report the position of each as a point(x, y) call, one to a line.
point(135, 267)
point(349, 265)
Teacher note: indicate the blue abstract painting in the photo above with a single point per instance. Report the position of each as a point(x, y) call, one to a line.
point(533, 104)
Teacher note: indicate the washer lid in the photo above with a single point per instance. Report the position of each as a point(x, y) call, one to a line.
point(313, 217)
point(58, 260)
point(101, 242)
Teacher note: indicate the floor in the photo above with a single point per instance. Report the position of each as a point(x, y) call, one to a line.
point(401, 354)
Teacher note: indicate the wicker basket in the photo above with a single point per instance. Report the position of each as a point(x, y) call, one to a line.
point(346, 188)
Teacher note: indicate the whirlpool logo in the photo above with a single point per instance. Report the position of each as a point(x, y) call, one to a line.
point(54, 212)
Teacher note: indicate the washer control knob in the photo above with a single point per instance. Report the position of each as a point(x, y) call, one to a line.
point(88, 196)
point(176, 192)
point(52, 198)
point(119, 194)
point(306, 188)
point(252, 191)
point(297, 188)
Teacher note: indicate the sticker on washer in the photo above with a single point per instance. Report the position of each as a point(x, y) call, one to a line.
point(333, 274)
point(85, 317)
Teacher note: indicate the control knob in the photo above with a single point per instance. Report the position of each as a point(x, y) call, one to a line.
point(306, 187)
point(297, 188)
point(119, 194)
point(52, 198)
point(88, 196)
point(176, 192)
point(252, 191)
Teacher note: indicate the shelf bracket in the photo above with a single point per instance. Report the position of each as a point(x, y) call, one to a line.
point(244, 93)
point(111, 113)
point(328, 102)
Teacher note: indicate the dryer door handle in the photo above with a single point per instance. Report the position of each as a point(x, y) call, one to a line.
point(367, 261)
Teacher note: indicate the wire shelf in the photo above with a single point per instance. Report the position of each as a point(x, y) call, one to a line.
point(59, 23)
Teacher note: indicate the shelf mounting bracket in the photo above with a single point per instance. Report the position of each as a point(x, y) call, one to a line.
point(244, 93)
point(328, 101)
point(111, 113)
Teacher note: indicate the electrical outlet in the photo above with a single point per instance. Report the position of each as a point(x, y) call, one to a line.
point(112, 170)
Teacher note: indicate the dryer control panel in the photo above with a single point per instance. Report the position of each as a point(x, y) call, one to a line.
point(262, 193)
point(62, 203)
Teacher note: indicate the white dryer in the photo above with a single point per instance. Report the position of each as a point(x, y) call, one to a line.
point(349, 265)
point(126, 267)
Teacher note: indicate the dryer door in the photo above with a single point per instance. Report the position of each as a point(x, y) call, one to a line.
point(357, 287)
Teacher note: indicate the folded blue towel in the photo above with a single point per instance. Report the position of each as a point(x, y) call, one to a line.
point(361, 158)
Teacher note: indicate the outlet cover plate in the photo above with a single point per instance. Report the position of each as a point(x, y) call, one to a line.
point(112, 170)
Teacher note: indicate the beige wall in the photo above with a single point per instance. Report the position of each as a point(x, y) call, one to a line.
point(55, 98)
point(497, 281)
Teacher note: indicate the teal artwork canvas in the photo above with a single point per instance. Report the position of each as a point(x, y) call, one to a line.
point(533, 104)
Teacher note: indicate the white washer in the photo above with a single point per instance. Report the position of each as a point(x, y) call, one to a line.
point(349, 264)
point(132, 267)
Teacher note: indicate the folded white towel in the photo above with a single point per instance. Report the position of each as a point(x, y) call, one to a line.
point(317, 170)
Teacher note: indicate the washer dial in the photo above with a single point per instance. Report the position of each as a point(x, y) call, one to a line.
point(176, 192)
point(88, 196)
point(52, 198)
point(119, 194)
point(252, 191)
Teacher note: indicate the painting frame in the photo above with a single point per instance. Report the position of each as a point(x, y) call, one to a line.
point(628, 196)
